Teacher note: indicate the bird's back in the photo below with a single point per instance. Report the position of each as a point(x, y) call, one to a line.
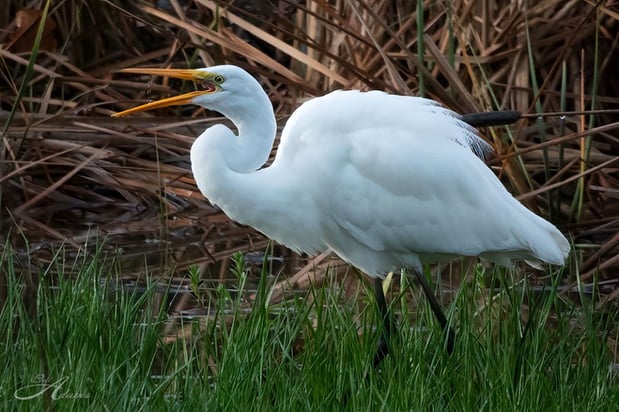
point(343, 112)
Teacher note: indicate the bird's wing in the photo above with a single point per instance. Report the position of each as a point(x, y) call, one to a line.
point(398, 176)
point(402, 194)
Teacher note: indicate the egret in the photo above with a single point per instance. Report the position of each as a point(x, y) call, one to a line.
point(386, 182)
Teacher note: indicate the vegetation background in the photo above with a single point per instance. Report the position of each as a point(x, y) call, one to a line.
point(121, 190)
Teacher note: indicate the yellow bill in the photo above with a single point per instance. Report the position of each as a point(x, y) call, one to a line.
point(186, 98)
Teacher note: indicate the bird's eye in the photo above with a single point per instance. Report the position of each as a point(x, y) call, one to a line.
point(218, 79)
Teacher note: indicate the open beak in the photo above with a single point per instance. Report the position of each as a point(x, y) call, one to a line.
point(186, 98)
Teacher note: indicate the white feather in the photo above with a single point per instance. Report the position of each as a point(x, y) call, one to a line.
point(384, 181)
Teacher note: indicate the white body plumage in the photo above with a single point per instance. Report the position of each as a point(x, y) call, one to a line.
point(384, 181)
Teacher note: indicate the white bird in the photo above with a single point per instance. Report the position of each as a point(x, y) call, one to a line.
point(384, 181)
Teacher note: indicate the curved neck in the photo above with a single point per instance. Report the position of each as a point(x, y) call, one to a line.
point(255, 121)
point(256, 134)
point(224, 164)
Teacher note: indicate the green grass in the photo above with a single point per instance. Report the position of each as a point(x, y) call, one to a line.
point(102, 348)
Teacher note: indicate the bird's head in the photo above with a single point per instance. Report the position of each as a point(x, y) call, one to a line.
point(214, 85)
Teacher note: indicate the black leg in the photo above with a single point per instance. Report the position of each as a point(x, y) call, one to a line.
point(438, 311)
point(388, 326)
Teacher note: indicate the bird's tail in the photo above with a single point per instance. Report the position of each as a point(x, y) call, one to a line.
point(549, 245)
point(538, 241)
